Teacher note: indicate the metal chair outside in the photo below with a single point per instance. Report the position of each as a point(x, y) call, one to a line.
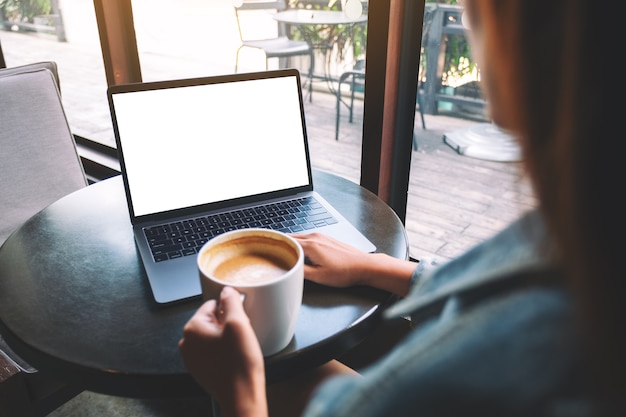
point(279, 45)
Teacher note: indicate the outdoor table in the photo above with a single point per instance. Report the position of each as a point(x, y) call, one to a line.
point(319, 28)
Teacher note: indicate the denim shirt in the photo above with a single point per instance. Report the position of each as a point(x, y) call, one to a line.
point(495, 335)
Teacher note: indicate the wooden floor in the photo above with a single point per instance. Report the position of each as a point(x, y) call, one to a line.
point(454, 201)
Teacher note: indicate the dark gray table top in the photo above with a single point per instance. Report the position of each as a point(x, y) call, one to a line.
point(75, 302)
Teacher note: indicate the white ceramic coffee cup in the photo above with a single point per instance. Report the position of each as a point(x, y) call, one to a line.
point(267, 268)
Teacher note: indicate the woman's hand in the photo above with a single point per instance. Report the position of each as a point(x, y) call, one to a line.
point(330, 262)
point(220, 350)
point(337, 264)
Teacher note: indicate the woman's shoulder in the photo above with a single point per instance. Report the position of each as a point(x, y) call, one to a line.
point(514, 354)
point(523, 247)
point(517, 351)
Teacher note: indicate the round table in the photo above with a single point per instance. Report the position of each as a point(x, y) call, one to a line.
point(317, 17)
point(75, 302)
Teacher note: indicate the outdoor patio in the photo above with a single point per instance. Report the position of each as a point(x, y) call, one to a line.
point(454, 201)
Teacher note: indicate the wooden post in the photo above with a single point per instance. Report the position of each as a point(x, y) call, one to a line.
point(118, 41)
point(391, 91)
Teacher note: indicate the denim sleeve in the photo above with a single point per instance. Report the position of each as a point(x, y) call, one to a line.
point(495, 355)
point(520, 245)
point(499, 359)
point(423, 268)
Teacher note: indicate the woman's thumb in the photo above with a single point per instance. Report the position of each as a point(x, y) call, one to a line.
point(230, 303)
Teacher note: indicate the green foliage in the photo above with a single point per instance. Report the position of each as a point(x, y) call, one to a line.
point(457, 60)
point(23, 10)
point(341, 37)
point(458, 65)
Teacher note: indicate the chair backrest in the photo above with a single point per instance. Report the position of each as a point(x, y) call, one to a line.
point(261, 4)
point(254, 19)
point(38, 165)
point(49, 65)
point(39, 162)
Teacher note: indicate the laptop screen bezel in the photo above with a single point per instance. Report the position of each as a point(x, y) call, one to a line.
point(148, 86)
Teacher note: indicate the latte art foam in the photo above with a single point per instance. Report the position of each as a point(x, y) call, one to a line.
point(248, 269)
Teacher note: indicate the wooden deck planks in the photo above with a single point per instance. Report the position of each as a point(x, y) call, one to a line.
point(454, 201)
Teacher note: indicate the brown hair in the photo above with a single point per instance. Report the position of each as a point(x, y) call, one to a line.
point(548, 69)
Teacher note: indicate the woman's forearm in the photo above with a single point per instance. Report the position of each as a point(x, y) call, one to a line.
point(388, 273)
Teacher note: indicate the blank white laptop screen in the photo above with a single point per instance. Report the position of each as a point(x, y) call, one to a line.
point(178, 154)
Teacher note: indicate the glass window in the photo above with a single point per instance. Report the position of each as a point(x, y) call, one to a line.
point(465, 182)
point(197, 38)
point(63, 31)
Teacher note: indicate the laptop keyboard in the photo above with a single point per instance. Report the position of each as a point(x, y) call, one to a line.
point(185, 238)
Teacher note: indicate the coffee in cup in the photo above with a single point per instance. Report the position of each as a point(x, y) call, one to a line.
point(267, 268)
point(250, 260)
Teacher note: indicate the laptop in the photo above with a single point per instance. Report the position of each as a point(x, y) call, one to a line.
point(203, 156)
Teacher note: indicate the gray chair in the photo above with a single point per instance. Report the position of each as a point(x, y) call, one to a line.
point(38, 165)
point(356, 79)
point(280, 46)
